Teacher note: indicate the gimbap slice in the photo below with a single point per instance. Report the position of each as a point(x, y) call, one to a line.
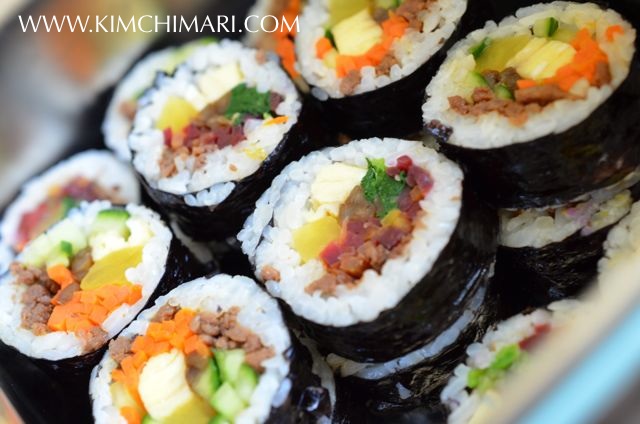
point(208, 139)
point(80, 283)
point(620, 248)
point(124, 103)
point(540, 108)
point(368, 60)
point(474, 390)
point(358, 242)
point(48, 198)
point(212, 350)
point(553, 252)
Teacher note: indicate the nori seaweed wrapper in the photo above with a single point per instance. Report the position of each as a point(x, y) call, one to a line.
point(395, 110)
point(226, 219)
point(556, 168)
point(308, 400)
point(73, 374)
point(424, 381)
point(433, 304)
point(555, 271)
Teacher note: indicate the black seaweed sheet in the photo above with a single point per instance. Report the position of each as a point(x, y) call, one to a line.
point(73, 374)
point(557, 168)
point(425, 380)
point(396, 109)
point(557, 270)
point(308, 400)
point(226, 219)
point(431, 306)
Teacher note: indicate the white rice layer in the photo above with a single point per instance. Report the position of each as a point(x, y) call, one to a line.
point(412, 50)
point(267, 235)
point(97, 166)
point(464, 405)
point(210, 184)
point(59, 345)
point(492, 130)
point(586, 214)
point(258, 312)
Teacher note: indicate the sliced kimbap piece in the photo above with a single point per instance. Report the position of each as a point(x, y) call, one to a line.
point(541, 108)
point(358, 241)
point(620, 248)
point(415, 379)
point(208, 140)
point(124, 103)
point(369, 60)
point(48, 198)
point(81, 282)
point(474, 391)
point(212, 350)
point(553, 252)
point(273, 27)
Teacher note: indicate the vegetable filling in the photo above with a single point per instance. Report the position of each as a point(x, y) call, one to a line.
point(57, 205)
point(517, 76)
point(189, 366)
point(362, 33)
point(74, 280)
point(372, 224)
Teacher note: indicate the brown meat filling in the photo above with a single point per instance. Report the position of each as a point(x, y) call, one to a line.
point(526, 101)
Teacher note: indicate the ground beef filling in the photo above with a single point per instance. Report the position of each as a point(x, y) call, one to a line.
point(42, 294)
point(368, 243)
point(209, 131)
point(526, 101)
point(218, 330)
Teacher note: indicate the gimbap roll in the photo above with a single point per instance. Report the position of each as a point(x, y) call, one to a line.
point(415, 379)
point(621, 247)
point(209, 139)
point(553, 252)
point(358, 242)
point(124, 102)
point(81, 282)
point(369, 60)
point(475, 389)
point(540, 108)
point(48, 198)
point(212, 350)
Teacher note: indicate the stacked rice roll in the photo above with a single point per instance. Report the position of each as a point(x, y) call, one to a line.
point(621, 247)
point(541, 107)
point(276, 35)
point(357, 241)
point(416, 378)
point(553, 252)
point(211, 351)
point(48, 198)
point(81, 282)
point(475, 391)
point(124, 103)
point(209, 139)
point(368, 60)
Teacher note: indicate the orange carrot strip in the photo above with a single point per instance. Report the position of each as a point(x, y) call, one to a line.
point(323, 46)
point(525, 83)
point(611, 32)
point(61, 275)
point(131, 415)
point(276, 121)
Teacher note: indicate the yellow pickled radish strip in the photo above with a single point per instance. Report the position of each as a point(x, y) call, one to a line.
point(256, 153)
point(311, 238)
point(176, 114)
point(111, 269)
point(496, 56)
point(547, 60)
point(529, 50)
